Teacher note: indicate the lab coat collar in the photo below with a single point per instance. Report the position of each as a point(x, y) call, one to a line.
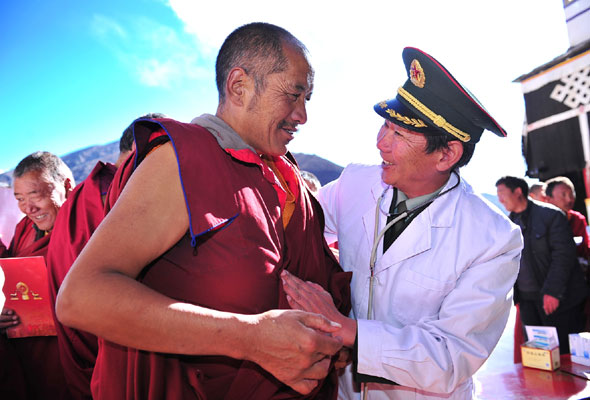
point(417, 237)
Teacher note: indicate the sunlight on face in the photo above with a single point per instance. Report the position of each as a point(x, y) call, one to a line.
point(39, 198)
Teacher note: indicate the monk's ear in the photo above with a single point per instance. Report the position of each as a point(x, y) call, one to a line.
point(450, 155)
point(238, 86)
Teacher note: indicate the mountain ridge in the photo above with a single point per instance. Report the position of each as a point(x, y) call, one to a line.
point(82, 161)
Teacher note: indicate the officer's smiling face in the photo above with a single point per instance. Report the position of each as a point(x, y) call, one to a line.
point(406, 165)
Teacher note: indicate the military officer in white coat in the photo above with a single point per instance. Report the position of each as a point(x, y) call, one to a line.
point(431, 292)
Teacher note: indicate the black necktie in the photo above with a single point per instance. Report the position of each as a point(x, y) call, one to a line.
point(394, 231)
point(398, 226)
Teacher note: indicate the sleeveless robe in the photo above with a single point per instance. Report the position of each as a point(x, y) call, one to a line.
point(229, 260)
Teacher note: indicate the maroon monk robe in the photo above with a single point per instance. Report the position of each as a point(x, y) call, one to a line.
point(23, 242)
point(32, 362)
point(77, 219)
point(230, 260)
point(3, 250)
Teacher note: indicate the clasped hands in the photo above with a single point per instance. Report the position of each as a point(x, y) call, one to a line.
point(297, 345)
point(311, 297)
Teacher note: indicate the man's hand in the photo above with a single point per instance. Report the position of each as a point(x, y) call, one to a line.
point(311, 297)
point(344, 358)
point(8, 319)
point(294, 346)
point(550, 304)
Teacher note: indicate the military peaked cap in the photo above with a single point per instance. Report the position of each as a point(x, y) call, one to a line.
point(432, 101)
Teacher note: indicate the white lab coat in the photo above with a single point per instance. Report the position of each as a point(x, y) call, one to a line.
point(443, 289)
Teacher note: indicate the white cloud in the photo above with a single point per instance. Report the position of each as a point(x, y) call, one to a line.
point(107, 28)
point(153, 52)
point(356, 52)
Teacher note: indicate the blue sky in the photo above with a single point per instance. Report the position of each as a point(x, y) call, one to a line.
point(76, 73)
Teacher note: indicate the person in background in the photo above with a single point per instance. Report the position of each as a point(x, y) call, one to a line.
point(562, 194)
point(311, 181)
point(30, 367)
point(181, 280)
point(432, 291)
point(537, 192)
point(10, 215)
point(42, 182)
point(550, 289)
point(77, 219)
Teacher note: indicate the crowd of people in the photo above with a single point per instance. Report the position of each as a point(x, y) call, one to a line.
point(203, 264)
point(552, 287)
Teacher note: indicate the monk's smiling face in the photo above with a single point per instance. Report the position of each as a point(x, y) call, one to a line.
point(39, 198)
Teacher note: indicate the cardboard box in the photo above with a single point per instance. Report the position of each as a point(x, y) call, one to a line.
point(580, 347)
point(540, 358)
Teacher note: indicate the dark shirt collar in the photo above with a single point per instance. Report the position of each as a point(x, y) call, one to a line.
point(522, 217)
point(38, 233)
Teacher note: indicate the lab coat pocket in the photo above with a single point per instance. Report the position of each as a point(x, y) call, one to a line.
point(418, 296)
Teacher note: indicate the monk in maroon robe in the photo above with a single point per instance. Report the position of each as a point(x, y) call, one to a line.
point(181, 281)
point(30, 367)
point(78, 218)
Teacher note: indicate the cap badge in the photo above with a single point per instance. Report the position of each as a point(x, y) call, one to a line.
point(417, 74)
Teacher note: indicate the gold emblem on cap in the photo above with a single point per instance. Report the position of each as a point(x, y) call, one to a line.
point(418, 123)
point(417, 74)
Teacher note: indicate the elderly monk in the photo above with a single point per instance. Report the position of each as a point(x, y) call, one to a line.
point(42, 182)
point(30, 366)
point(181, 280)
point(77, 220)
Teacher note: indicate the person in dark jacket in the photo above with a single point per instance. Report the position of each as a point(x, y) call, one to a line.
point(550, 288)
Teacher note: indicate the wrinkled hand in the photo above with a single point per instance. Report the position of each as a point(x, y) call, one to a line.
point(344, 358)
point(8, 319)
point(311, 297)
point(295, 346)
point(550, 304)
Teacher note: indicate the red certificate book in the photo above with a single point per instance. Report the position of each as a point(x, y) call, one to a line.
point(27, 293)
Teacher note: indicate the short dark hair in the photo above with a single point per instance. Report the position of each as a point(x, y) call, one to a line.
point(46, 163)
point(537, 188)
point(258, 49)
point(552, 183)
point(126, 141)
point(513, 182)
point(441, 141)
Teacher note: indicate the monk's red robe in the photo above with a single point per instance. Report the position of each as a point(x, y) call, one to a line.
point(230, 260)
point(23, 242)
point(30, 367)
point(77, 219)
point(3, 250)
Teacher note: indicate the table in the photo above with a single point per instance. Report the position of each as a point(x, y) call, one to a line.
point(513, 381)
